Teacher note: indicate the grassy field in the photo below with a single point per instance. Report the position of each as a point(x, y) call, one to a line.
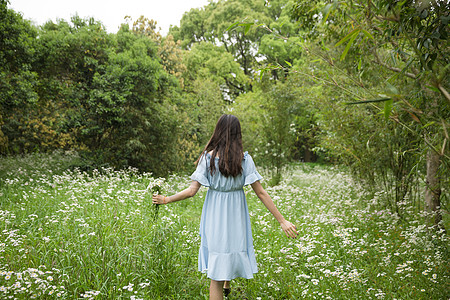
point(72, 235)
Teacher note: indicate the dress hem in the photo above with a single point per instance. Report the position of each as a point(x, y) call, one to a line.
point(227, 278)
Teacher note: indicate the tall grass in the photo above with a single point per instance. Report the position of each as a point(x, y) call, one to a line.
point(69, 234)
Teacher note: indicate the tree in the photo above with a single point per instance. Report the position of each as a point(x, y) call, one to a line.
point(209, 24)
point(405, 38)
point(67, 57)
point(270, 117)
point(280, 51)
point(17, 79)
point(169, 50)
point(106, 95)
point(408, 39)
point(146, 27)
point(206, 61)
point(128, 111)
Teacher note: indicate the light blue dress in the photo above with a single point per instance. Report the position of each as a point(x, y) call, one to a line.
point(226, 250)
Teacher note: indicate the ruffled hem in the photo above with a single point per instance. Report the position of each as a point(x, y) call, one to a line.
point(227, 266)
point(251, 178)
point(200, 178)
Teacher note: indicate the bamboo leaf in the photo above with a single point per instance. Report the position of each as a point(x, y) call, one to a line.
point(429, 124)
point(246, 24)
point(247, 28)
point(366, 33)
point(327, 11)
point(344, 54)
point(432, 88)
point(369, 101)
point(347, 37)
point(232, 26)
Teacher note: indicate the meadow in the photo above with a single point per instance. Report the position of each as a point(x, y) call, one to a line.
point(70, 234)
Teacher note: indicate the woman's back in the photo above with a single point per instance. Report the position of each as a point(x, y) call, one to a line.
point(219, 182)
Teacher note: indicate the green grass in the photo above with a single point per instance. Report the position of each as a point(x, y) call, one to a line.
point(71, 235)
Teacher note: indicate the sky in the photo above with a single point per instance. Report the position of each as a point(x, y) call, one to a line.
point(110, 12)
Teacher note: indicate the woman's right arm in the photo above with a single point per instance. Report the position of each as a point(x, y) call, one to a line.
point(287, 226)
point(184, 194)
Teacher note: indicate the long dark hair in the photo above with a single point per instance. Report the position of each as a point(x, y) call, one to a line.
point(226, 142)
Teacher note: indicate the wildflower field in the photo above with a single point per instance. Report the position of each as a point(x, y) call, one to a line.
point(68, 234)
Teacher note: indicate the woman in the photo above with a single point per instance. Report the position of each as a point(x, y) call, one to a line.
point(226, 250)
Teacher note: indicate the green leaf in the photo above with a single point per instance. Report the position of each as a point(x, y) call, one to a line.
point(434, 89)
point(387, 109)
point(369, 101)
point(247, 28)
point(261, 73)
point(326, 11)
point(288, 63)
point(232, 26)
point(245, 24)
point(366, 33)
point(347, 37)
point(429, 124)
point(344, 54)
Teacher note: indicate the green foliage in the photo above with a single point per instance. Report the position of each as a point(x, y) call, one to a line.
point(64, 62)
point(280, 46)
point(81, 88)
point(17, 79)
point(211, 22)
point(111, 95)
point(376, 58)
point(122, 95)
point(248, 109)
point(276, 125)
point(206, 61)
point(277, 133)
point(17, 40)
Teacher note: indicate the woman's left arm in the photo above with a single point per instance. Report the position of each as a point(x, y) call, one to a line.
point(288, 227)
point(187, 193)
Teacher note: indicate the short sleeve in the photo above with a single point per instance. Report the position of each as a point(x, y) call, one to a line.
point(250, 173)
point(201, 173)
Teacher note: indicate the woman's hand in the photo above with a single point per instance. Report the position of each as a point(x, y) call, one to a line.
point(159, 199)
point(289, 229)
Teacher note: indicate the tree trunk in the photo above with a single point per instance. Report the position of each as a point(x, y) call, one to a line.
point(433, 188)
point(309, 156)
